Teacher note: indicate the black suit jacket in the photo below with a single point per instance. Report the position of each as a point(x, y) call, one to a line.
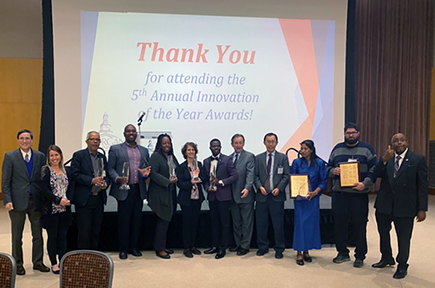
point(184, 178)
point(406, 194)
point(82, 173)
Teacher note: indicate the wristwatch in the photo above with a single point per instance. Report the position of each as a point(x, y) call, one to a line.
point(221, 183)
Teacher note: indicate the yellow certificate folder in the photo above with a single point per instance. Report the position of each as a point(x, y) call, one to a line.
point(299, 185)
point(349, 174)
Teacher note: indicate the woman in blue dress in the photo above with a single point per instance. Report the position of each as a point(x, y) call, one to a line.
point(306, 235)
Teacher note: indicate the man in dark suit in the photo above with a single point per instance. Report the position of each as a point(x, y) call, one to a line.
point(90, 194)
point(21, 173)
point(222, 174)
point(402, 197)
point(130, 200)
point(242, 211)
point(271, 177)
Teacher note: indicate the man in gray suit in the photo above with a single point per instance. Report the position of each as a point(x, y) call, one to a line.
point(271, 177)
point(21, 173)
point(130, 201)
point(242, 211)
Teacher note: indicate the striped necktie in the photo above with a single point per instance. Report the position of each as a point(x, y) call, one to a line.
point(396, 166)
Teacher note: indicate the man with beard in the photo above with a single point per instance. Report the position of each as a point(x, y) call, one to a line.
point(130, 198)
point(351, 203)
point(401, 198)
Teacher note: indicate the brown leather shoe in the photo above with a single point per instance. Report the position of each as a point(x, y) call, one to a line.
point(21, 270)
point(41, 267)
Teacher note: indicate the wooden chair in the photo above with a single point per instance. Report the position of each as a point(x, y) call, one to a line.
point(8, 270)
point(86, 268)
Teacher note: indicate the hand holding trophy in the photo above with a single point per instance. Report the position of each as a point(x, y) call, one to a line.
point(125, 175)
point(212, 187)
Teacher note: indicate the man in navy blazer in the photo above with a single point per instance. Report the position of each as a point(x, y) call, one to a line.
point(242, 211)
point(90, 194)
point(222, 174)
point(271, 177)
point(402, 197)
point(21, 172)
point(130, 202)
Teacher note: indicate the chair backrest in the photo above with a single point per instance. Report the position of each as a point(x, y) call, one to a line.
point(8, 270)
point(86, 268)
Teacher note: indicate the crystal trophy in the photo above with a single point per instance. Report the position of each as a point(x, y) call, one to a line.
point(195, 169)
point(125, 174)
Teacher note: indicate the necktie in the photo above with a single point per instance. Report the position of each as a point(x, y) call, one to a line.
point(214, 158)
point(396, 166)
point(269, 163)
point(26, 158)
point(267, 185)
point(235, 160)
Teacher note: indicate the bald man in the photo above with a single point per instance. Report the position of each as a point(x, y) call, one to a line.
point(402, 197)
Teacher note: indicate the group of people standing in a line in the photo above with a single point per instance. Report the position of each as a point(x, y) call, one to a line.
point(233, 184)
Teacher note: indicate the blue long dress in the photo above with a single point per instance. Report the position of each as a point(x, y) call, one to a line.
point(306, 234)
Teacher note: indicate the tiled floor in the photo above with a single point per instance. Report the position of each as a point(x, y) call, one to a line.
point(254, 271)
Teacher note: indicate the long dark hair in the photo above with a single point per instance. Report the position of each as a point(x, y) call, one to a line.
point(159, 144)
point(310, 145)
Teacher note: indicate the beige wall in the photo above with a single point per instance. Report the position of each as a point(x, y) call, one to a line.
point(20, 100)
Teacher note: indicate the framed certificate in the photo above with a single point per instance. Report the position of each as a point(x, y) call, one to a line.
point(299, 185)
point(349, 174)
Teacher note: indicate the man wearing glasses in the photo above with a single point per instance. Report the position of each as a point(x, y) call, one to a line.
point(350, 204)
point(88, 169)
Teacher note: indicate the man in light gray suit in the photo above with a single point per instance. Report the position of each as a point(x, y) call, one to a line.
point(21, 173)
point(271, 178)
point(130, 202)
point(242, 211)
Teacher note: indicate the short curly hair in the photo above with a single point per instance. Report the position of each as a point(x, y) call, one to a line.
point(184, 149)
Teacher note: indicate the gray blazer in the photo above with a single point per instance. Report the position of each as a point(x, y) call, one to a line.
point(245, 168)
point(280, 180)
point(117, 156)
point(16, 182)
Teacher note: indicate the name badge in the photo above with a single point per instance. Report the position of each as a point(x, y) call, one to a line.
point(280, 170)
point(352, 160)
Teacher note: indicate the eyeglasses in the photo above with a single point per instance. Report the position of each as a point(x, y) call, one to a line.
point(351, 133)
point(94, 139)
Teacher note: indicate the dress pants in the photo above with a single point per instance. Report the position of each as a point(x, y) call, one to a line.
point(190, 222)
point(89, 219)
point(56, 236)
point(353, 207)
point(243, 223)
point(403, 227)
point(18, 219)
point(160, 234)
point(130, 219)
point(220, 223)
point(276, 212)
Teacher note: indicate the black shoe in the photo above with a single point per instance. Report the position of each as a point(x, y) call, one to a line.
point(41, 267)
point(163, 256)
point(341, 258)
point(400, 273)
point(220, 254)
point(307, 258)
point(169, 251)
point(212, 250)
point(300, 262)
point(123, 255)
point(55, 271)
point(195, 251)
point(242, 251)
point(188, 253)
point(136, 253)
point(261, 252)
point(383, 264)
point(234, 249)
point(21, 270)
point(359, 263)
point(278, 255)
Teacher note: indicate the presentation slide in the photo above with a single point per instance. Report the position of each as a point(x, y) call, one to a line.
point(199, 70)
point(202, 77)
